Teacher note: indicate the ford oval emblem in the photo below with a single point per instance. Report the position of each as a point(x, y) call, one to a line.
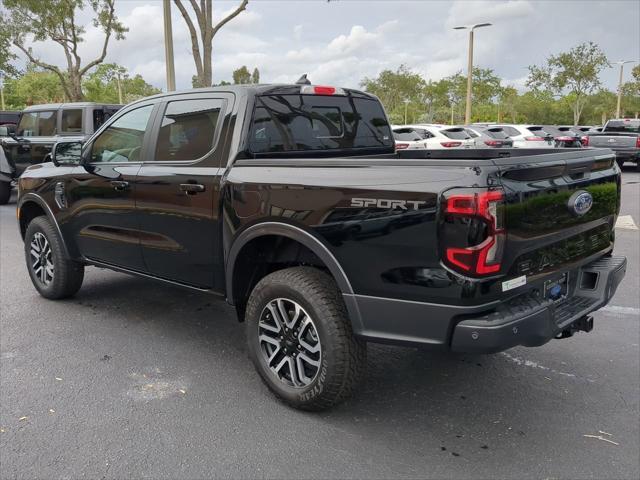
point(580, 203)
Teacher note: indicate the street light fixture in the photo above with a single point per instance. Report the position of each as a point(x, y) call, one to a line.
point(471, 28)
point(621, 63)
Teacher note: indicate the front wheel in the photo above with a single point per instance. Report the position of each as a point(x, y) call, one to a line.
point(53, 275)
point(300, 339)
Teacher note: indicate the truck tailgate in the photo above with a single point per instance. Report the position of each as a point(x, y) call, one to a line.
point(548, 221)
point(612, 140)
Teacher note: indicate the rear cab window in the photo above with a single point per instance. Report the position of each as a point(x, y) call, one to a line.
point(318, 123)
point(623, 126)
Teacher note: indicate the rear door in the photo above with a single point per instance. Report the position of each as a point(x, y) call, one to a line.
point(177, 196)
point(550, 222)
point(39, 131)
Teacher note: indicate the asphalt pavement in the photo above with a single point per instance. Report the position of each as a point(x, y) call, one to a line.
point(135, 379)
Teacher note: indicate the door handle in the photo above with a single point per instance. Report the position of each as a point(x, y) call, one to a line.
point(119, 185)
point(191, 188)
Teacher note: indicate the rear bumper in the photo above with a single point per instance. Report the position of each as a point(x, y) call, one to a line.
point(632, 154)
point(525, 320)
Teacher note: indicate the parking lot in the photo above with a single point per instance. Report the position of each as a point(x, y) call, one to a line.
point(134, 379)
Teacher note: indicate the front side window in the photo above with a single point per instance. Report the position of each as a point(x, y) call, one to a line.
point(71, 120)
point(122, 140)
point(37, 124)
point(299, 123)
point(188, 129)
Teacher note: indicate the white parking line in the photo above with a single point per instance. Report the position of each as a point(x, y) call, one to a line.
point(625, 222)
point(530, 363)
point(621, 310)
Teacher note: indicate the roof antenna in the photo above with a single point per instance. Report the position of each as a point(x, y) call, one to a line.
point(303, 80)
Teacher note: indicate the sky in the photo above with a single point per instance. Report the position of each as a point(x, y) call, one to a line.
point(342, 41)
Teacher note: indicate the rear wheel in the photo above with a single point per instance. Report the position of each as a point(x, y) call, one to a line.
point(5, 192)
point(300, 339)
point(53, 275)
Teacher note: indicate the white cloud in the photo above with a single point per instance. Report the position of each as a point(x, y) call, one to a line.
point(340, 42)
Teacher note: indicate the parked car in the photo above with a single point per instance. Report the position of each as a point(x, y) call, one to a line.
point(489, 136)
point(39, 128)
point(564, 137)
point(439, 137)
point(320, 235)
point(407, 138)
point(620, 135)
point(528, 136)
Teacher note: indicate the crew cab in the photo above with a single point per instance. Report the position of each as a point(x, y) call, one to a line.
point(291, 202)
point(39, 128)
point(620, 135)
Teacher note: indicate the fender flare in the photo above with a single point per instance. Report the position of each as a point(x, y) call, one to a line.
point(32, 197)
point(295, 233)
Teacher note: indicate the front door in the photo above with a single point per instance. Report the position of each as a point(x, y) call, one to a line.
point(99, 197)
point(177, 193)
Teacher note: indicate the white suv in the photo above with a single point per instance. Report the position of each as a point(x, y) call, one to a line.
point(528, 136)
point(440, 137)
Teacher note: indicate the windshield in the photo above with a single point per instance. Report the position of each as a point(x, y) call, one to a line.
point(625, 126)
point(299, 123)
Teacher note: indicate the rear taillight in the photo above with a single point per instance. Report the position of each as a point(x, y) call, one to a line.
point(402, 146)
point(534, 139)
point(475, 212)
point(585, 141)
point(638, 142)
point(450, 144)
point(493, 143)
point(564, 139)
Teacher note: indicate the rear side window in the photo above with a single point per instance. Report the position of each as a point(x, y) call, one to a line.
point(37, 124)
point(628, 126)
point(299, 123)
point(455, 134)
point(497, 133)
point(406, 135)
point(71, 120)
point(512, 132)
point(188, 129)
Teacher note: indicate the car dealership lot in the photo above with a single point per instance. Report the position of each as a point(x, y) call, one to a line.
point(137, 379)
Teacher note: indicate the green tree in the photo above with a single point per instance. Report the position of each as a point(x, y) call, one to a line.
point(35, 86)
point(111, 83)
point(55, 21)
point(241, 76)
point(575, 72)
point(6, 56)
point(394, 89)
point(631, 93)
point(202, 39)
point(255, 76)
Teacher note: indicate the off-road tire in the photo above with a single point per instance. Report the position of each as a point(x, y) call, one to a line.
point(5, 192)
point(343, 359)
point(67, 274)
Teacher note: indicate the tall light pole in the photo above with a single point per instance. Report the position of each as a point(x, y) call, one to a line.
point(406, 105)
point(471, 28)
point(168, 47)
point(1, 91)
point(621, 63)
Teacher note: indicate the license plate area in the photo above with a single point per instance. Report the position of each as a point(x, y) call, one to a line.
point(557, 289)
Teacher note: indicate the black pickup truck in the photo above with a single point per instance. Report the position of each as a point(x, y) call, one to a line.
point(290, 202)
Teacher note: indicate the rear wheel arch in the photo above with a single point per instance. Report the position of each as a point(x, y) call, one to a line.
point(270, 246)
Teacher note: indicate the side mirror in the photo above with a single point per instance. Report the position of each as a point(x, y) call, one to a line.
point(66, 153)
